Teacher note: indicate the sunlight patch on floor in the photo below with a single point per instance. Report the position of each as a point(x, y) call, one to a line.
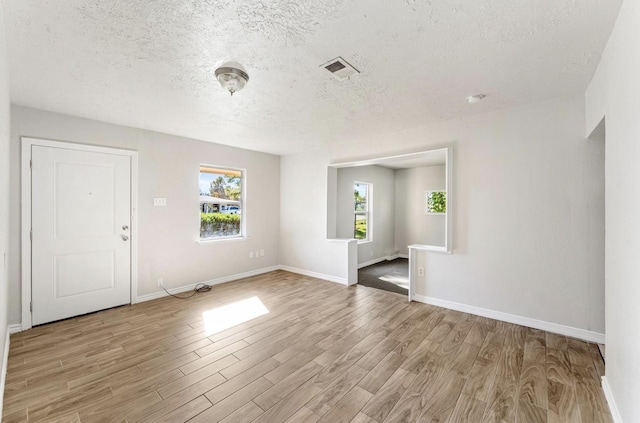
point(401, 281)
point(230, 315)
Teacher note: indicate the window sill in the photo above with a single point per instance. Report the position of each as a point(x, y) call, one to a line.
point(364, 241)
point(222, 240)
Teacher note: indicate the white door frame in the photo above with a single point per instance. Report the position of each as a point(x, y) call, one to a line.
point(27, 143)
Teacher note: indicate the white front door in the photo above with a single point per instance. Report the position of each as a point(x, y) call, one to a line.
point(80, 220)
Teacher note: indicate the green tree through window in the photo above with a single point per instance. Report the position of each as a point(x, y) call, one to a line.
point(361, 192)
point(436, 202)
point(220, 202)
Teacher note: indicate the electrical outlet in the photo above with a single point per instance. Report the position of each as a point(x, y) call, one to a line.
point(160, 282)
point(257, 253)
point(160, 202)
point(250, 254)
point(372, 254)
point(421, 272)
point(262, 252)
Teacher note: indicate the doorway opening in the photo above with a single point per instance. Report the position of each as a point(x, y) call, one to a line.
point(389, 275)
point(387, 206)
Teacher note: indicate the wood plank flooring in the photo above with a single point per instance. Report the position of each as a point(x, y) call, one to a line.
point(323, 353)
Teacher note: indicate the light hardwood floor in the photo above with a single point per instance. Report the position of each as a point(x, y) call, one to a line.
point(323, 353)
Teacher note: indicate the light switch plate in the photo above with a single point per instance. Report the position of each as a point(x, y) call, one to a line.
point(159, 202)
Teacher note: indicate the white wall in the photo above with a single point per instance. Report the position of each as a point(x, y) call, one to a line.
point(303, 218)
point(381, 207)
point(412, 225)
point(168, 167)
point(528, 221)
point(615, 93)
point(4, 195)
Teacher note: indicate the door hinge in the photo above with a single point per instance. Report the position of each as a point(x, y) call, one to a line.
point(31, 235)
point(30, 306)
point(30, 164)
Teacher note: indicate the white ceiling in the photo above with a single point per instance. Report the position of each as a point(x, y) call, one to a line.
point(150, 63)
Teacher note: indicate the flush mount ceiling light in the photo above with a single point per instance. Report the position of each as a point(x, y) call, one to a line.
point(232, 77)
point(476, 98)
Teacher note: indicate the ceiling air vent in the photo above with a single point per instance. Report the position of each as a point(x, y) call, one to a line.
point(340, 69)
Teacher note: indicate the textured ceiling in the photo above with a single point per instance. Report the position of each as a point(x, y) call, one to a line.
point(150, 63)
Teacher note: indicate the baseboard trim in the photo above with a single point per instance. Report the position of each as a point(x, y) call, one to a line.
point(372, 262)
point(5, 360)
point(218, 281)
point(381, 259)
point(512, 318)
point(615, 414)
point(15, 328)
point(406, 256)
point(316, 275)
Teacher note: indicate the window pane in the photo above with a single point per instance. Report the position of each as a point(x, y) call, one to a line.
point(360, 231)
point(436, 202)
point(220, 202)
point(360, 192)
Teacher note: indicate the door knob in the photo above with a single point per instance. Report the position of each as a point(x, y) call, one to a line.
point(124, 237)
point(125, 227)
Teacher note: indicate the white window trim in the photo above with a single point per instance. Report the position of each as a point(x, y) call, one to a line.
point(367, 213)
point(243, 203)
point(205, 241)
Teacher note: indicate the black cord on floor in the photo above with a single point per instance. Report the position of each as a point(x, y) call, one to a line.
point(201, 287)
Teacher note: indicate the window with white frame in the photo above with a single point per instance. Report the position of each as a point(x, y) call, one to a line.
point(221, 202)
point(362, 214)
point(436, 202)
